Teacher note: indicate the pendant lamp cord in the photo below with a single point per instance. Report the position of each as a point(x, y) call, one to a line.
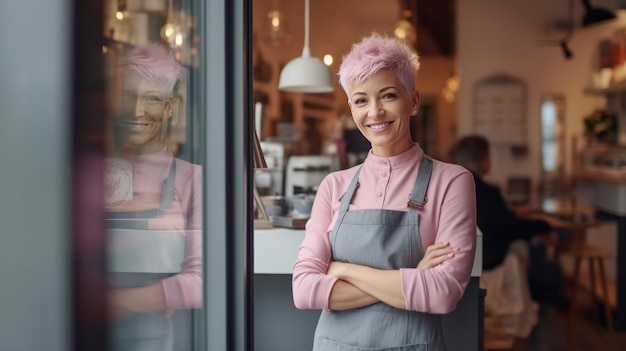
point(170, 12)
point(306, 52)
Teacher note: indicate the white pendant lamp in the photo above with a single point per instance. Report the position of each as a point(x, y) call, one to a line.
point(306, 74)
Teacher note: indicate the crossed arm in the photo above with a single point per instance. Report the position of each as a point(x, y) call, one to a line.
point(434, 286)
point(359, 286)
point(181, 291)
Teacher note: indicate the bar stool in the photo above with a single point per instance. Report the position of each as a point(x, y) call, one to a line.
point(593, 256)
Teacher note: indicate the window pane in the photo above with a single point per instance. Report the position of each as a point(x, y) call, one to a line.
point(153, 179)
point(548, 133)
point(553, 145)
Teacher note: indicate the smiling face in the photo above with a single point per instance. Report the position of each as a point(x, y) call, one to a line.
point(382, 109)
point(145, 111)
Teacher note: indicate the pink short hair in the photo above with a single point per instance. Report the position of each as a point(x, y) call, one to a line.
point(377, 52)
point(154, 63)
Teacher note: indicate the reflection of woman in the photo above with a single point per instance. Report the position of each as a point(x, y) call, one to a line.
point(390, 243)
point(153, 210)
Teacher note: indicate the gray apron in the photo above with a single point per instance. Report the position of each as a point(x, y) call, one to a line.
point(149, 331)
point(383, 239)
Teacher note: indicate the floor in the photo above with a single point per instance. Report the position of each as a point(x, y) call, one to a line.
point(551, 333)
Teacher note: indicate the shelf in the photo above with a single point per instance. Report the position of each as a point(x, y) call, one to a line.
point(612, 89)
point(608, 176)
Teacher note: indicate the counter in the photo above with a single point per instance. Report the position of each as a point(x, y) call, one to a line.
point(604, 191)
point(278, 325)
point(275, 251)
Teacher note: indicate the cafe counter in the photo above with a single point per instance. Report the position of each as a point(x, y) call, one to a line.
point(278, 325)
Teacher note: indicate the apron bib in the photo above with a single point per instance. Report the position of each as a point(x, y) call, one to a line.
point(383, 239)
point(139, 255)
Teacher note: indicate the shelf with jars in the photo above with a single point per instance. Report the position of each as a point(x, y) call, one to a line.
point(602, 157)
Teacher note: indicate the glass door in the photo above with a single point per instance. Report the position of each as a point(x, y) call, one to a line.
point(125, 181)
point(169, 142)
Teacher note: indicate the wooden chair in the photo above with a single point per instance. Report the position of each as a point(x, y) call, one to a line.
point(579, 250)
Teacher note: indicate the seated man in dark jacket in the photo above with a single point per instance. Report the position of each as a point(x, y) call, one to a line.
point(501, 226)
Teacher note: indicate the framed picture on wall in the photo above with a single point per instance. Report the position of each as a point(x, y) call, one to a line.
point(499, 111)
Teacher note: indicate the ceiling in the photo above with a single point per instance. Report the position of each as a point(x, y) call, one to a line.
point(435, 20)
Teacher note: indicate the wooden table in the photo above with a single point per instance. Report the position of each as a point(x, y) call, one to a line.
point(566, 215)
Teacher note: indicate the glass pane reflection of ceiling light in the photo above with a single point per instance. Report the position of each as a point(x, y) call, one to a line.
point(168, 32)
point(276, 33)
point(169, 29)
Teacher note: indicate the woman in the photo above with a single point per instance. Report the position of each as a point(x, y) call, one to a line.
point(153, 209)
point(390, 243)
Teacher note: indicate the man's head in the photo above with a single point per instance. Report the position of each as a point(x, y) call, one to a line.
point(375, 53)
point(472, 152)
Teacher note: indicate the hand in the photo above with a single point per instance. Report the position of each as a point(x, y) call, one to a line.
point(435, 254)
point(522, 210)
point(117, 309)
point(129, 301)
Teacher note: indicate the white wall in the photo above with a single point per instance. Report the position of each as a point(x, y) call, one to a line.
point(502, 36)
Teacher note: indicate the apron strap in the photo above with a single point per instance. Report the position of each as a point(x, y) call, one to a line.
point(346, 198)
point(169, 188)
point(418, 196)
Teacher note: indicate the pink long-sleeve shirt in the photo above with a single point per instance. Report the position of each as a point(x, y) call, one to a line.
point(386, 183)
point(184, 289)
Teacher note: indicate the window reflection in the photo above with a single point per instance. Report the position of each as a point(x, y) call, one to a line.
point(153, 195)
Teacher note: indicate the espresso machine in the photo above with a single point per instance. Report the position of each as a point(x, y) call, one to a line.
point(304, 173)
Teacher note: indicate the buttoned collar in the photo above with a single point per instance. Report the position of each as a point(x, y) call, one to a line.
point(385, 163)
